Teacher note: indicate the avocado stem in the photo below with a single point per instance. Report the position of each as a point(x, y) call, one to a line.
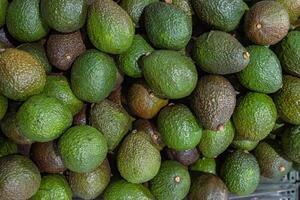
point(177, 179)
point(168, 1)
point(258, 26)
point(221, 127)
point(281, 168)
point(246, 55)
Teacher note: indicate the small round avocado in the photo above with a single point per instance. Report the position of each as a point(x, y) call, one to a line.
point(172, 181)
point(7, 147)
point(185, 157)
point(3, 7)
point(179, 127)
point(243, 144)
point(240, 172)
point(121, 189)
point(24, 21)
point(21, 75)
point(169, 74)
point(64, 15)
point(255, 116)
point(93, 76)
point(208, 186)
point(42, 118)
point(3, 106)
point(90, 185)
point(46, 157)
point(16, 170)
point(82, 148)
point(63, 49)
point(167, 26)
point(266, 23)
point(290, 143)
point(263, 73)
point(206, 165)
point(53, 187)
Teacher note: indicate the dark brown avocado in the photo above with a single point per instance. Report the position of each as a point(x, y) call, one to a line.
point(185, 157)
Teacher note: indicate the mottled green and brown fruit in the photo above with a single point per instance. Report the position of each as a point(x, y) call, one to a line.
point(64, 15)
point(224, 15)
point(24, 21)
point(179, 127)
point(45, 155)
point(291, 143)
point(63, 49)
point(138, 159)
point(112, 120)
point(19, 178)
point(293, 8)
point(3, 7)
point(167, 26)
point(287, 100)
point(21, 75)
point(110, 28)
point(271, 159)
point(142, 102)
point(90, 185)
point(185, 157)
point(208, 186)
point(169, 74)
point(81, 118)
point(266, 23)
point(213, 101)
point(218, 52)
point(254, 116)
point(7, 147)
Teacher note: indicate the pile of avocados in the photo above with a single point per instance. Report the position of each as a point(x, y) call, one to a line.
point(147, 99)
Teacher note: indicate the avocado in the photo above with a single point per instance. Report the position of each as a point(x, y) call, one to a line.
point(21, 75)
point(185, 5)
point(7, 147)
point(91, 184)
point(82, 148)
point(63, 49)
point(112, 120)
point(169, 74)
point(122, 190)
point(242, 144)
point(135, 8)
point(3, 106)
point(110, 28)
point(19, 178)
point(224, 15)
point(53, 187)
point(45, 155)
point(138, 160)
point(240, 172)
point(205, 165)
point(64, 15)
point(263, 73)
point(290, 143)
point(129, 60)
point(217, 52)
point(287, 52)
point(213, 101)
point(42, 118)
point(3, 7)
point(245, 117)
point(59, 88)
point(213, 143)
point(150, 128)
point(24, 21)
point(38, 51)
point(185, 157)
point(266, 23)
point(179, 127)
point(81, 118)
point(167, 26)
point(272, 162)
point(208, 186)
point(172, 181)
point(293, 8)
point(286, 100)
point(93, 76)
point(142, 102)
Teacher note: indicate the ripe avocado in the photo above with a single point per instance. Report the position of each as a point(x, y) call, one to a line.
point(24, 21)
point(224, 15)
point(3, 7)
point(110, 28)
point(266, 23)
point(64, 15)
point(213, 101)
point(291, 143)
point(218, 52)
point(185, 157)
point(167, 26)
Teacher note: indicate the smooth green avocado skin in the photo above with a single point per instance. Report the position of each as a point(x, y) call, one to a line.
point(109, 27)
point(167, 26)
point(93, 76)
point(24, 21)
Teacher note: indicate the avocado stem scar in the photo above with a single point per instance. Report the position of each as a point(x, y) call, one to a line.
point(177, 179)
point(281, 168)
point(258, 26)
point(246, 55)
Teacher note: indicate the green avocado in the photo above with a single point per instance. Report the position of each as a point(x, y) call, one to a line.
point(3, 7)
